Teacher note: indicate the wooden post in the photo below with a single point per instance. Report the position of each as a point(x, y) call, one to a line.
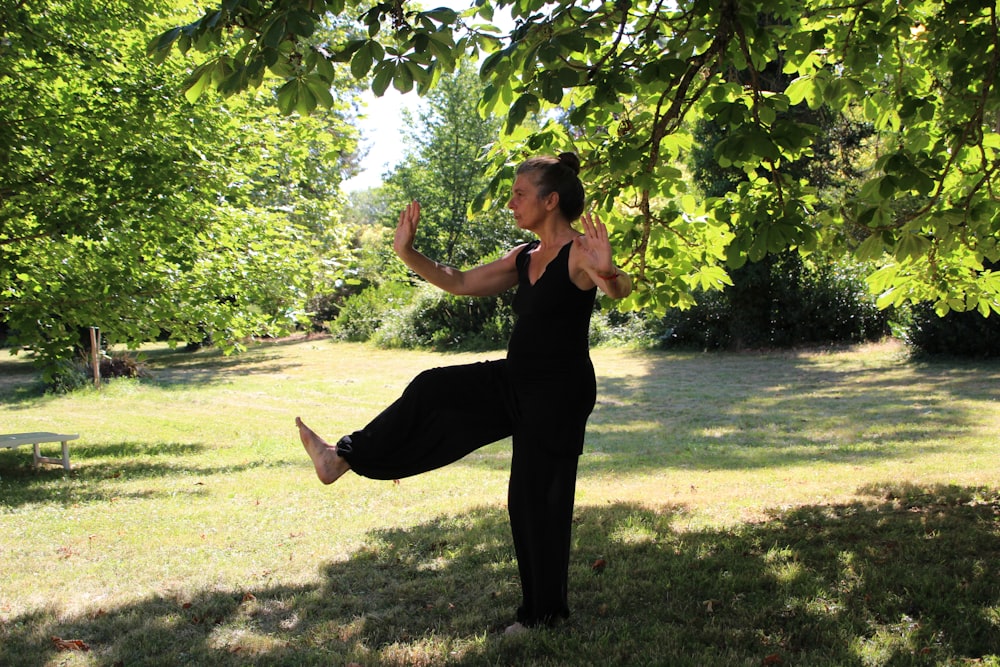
point(95, 356)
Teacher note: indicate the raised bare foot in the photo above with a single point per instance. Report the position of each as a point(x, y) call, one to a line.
point(328, 463)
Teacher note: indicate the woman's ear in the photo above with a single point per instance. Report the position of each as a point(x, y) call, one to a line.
point(552, 201)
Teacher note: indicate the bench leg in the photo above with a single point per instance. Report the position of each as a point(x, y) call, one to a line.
point(65, 455)
point(37, 457)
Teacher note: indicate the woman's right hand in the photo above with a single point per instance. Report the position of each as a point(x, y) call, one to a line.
point(406, 230)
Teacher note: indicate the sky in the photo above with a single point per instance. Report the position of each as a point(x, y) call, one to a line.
point(381, 133)
point(381, 130)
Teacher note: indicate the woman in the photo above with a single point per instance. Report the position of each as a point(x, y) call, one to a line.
point(541, 394)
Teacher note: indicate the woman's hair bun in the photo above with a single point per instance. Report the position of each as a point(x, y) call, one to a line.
point(570, 160)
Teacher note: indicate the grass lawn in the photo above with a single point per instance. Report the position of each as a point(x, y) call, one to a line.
point(809, 508)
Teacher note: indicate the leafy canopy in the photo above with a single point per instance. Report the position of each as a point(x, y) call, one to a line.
point(125, 208)
point(629, 76)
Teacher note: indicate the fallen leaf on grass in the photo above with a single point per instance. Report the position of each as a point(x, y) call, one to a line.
point(69, 644)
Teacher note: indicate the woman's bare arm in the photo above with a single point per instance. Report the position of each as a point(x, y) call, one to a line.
point(484, 280)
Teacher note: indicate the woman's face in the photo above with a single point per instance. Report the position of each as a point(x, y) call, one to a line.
point(529, 209)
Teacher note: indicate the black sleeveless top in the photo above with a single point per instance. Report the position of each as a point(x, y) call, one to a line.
point(553, 316)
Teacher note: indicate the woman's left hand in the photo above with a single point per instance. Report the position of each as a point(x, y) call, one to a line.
point(595, 245)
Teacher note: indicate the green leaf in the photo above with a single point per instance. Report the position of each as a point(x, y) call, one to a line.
point(519, 110)
point(870, 249)
point(758, 248)
point(887, 186)
point(441, 14)
point(551, 89)
point(490, 63)
point(362, 61)
point(198, 82)
point(288, 97)
point(325, 69)
point(320, 90)
point(712, 278)
point(159, 47)
point(301, 23)
point(305, 103)
point(383, 77)
point(275, 32)
point(402, 78)
point(807, 89)
point(911, 246)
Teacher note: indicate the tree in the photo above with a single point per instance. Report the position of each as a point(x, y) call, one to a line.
point(632, 73)
point(786, 299)
point(124, 207)
point(443, 171)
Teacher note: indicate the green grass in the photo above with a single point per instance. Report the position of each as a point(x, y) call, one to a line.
point(809, 508)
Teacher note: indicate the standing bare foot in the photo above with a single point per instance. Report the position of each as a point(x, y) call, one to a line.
point(328, 463)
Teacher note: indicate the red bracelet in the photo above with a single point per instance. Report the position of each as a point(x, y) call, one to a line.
point(611, 277)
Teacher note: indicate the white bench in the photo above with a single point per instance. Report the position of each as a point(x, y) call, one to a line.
point(12, 440)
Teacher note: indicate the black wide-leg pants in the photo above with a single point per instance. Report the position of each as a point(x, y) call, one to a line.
point(446, 413)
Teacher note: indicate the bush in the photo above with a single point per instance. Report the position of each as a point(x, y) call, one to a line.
point(611, 327)
point(965, 334)
point(705, 326)
point(443, 321)
point(64, 376)
point(781, 302)
point(68, 376)
point(364, 313)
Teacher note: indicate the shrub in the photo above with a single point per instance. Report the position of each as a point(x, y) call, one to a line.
point(962, 334)
point(443, 321)
point(781, 302)
point(64, 376)
point(705, 326)
point(68, 376)
point(612, 327)
point(364, 313)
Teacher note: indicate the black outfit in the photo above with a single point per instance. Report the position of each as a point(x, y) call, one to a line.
point(541, 394)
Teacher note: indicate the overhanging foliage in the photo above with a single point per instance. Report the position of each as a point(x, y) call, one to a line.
point(630, 75)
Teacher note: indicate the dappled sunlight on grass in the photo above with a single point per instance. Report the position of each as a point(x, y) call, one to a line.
point(791, 426)
point(806, 585)
point(827, 508)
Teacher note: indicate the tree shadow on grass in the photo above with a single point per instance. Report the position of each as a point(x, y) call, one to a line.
point(907, 578)
point(102, 472)
point(740, 411)
point(181, 373)
point(20, 381)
